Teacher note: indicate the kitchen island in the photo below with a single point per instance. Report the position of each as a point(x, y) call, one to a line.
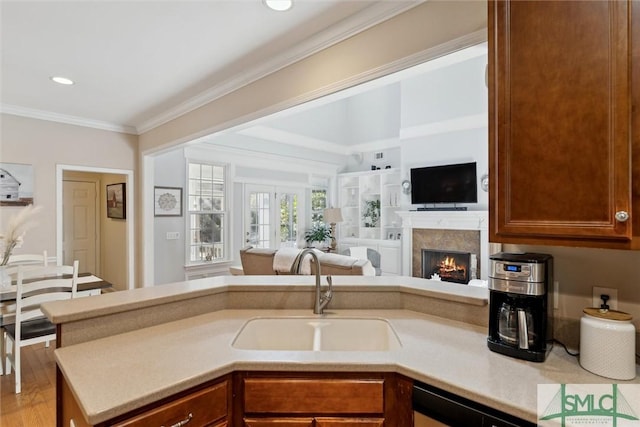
point(440, 327)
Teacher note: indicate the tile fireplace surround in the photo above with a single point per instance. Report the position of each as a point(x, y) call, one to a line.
point(466, 231)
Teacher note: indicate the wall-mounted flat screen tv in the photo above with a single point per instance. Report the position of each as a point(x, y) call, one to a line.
point(456, 183)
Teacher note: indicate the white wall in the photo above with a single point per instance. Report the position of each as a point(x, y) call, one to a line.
point(444, 94)
point(578, 270)
point(450, 147)
point(374, 115)
point(169, 255)
point(44, 145)
point(444, 120)
point(170, 259)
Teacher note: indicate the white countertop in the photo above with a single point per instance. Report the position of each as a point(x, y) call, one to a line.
point(134, 299)
point(111, 376)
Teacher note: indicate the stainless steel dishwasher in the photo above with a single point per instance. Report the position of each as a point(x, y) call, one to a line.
point(434, 407)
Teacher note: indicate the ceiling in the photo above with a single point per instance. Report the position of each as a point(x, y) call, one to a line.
point(137, 64)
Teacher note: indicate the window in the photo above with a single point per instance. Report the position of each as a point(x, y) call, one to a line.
point(273, 215)
point(288, 219)
point(207, 210)
point(318, 204)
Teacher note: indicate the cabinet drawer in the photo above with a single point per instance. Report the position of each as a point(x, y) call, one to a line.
point(309, 422)
point(202, 407)
point(349, 422)
point(278, 422)
point(314, 396)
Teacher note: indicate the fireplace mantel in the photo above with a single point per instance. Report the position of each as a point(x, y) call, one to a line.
point(445, 220)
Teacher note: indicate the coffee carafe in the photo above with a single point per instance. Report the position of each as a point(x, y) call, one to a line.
point(520, 322)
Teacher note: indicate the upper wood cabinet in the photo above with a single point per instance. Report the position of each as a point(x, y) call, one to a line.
point(563, 123)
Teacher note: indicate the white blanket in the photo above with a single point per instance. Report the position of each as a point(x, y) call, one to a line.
point(284, 258)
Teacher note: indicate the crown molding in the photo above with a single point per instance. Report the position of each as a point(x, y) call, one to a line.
point(349, 27)
point(475, 121)
point(303, 141)
point(251, 158)
point(380, 144)
point(295, 139)
point(62, 118)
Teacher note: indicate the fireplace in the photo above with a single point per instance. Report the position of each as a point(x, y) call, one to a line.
point(450, 266)
point(465, 231)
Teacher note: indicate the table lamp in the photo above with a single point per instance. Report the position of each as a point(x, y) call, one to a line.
point(333, 216)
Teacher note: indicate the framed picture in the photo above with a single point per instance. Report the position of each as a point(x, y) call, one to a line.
point(16, 184)
point(167, 201)
point(117, 201)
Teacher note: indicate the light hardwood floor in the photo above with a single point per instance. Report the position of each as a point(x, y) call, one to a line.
point(35, 406)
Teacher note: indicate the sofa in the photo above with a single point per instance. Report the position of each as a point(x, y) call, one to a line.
point(258, 261)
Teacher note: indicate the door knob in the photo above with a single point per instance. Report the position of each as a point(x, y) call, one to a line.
point(622, 216)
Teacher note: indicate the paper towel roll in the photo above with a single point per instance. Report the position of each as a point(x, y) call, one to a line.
point(607, 347)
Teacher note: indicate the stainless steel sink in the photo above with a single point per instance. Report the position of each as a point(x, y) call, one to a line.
point(317, 334)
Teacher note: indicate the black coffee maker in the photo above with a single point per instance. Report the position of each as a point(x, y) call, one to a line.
point(520, 315)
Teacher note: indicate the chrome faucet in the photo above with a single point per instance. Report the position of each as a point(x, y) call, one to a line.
point(322, 299)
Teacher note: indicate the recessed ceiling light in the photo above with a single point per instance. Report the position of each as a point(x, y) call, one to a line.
point(62, 80)
point(279, 5)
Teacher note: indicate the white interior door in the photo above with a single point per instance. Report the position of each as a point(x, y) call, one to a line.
point(79, 211)
point(272, 216)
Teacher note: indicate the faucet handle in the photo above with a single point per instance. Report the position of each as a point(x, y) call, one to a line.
point(329, 294)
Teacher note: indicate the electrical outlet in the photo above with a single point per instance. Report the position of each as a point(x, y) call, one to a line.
point(173, 235)
point(613, 297)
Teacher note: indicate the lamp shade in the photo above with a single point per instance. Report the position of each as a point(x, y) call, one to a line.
point(333, 215)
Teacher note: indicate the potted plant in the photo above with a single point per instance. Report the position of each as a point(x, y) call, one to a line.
point(371, 213)
point(320, 232)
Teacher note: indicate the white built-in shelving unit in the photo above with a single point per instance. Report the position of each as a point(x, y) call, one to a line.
point(360, 193)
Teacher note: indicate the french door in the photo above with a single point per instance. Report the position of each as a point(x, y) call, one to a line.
point(273, 216)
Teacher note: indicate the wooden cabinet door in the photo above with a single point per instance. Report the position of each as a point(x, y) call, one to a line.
point(559, 121)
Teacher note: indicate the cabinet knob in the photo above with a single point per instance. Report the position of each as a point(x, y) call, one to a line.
point(622, 216)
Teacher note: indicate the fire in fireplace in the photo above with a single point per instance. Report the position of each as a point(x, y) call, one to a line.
point(450, 266)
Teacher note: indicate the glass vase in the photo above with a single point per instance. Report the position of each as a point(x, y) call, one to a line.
point(5, 279)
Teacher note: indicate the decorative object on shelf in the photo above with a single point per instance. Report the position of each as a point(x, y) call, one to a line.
point(333, 216)
point(406, 186)
point(117, 201)
point(319, 232)
point(371, 212)
point(16, 229)
point(391, 236)
point(167, 201)
point(484, 182)
point(435, 276)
